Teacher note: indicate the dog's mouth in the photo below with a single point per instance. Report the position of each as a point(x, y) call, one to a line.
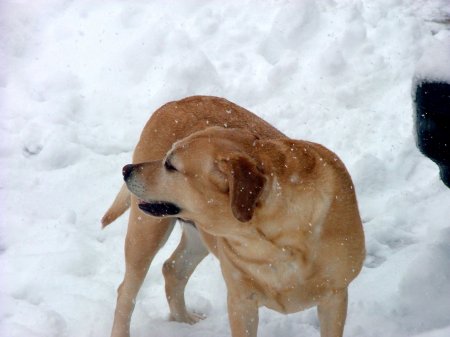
point(159, 208)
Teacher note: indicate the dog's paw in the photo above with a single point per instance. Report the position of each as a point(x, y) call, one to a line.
point(187, 317)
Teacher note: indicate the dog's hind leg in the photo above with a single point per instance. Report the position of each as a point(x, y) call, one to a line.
point(145, 236)
point(177, 270)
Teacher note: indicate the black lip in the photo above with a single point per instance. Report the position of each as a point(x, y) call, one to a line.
point(159, 208)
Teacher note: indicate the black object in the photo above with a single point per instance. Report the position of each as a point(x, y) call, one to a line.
point(432, 122)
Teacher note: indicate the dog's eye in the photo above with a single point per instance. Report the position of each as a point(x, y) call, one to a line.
point(169, 167)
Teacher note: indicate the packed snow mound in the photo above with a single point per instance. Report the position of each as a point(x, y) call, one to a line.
point(434, 65)
point(80, 78)
point(427, 272)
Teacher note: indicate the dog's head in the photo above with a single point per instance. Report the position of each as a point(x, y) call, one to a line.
point(209, 176)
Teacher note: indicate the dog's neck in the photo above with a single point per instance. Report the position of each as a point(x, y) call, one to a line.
point(293, 197)
point(293, 185)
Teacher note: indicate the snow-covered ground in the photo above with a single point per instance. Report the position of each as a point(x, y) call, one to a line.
point(79, 79)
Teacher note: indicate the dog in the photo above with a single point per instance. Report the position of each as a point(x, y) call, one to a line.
point(280, 215)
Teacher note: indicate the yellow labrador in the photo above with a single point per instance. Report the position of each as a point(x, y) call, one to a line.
point(279, 214)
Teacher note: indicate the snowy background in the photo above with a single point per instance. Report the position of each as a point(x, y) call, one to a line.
point(78, 80)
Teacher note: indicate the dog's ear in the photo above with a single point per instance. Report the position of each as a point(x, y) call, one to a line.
point(246, 182)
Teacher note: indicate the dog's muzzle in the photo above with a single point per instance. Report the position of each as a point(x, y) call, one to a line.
point(127, 170)
point(159, 208)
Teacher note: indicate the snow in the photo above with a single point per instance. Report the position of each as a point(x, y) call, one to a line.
point(434, 65)
point(80, 78)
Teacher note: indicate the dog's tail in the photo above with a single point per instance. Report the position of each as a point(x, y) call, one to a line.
point(118, 207)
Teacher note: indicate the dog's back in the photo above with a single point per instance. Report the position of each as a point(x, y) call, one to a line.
point(177, 120)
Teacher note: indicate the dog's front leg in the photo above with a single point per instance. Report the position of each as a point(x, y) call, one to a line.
point(332, 312)
point(242, 313)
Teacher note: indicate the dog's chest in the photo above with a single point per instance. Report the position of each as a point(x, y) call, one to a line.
point(288, 286)
point(283, 275)
point(278, 277)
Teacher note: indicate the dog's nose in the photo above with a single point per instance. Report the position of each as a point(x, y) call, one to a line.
point(127, 170)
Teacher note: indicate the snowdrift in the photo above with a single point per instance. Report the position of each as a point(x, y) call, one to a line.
point(78, 81)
